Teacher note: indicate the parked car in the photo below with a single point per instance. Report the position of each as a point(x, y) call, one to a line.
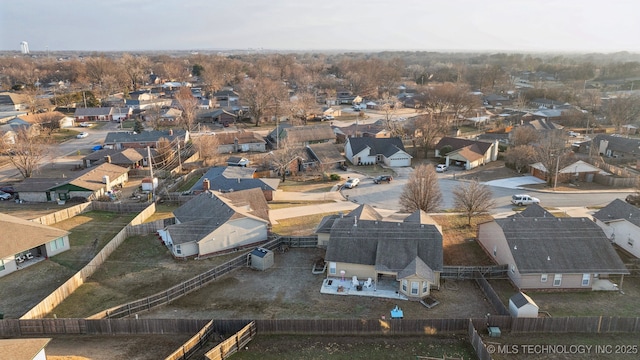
point(523, 200)
point(85, 124)
point(327, 117)
point(82, 135)
point(382, 179)
point(351, 183)
point(441, 168)
point(4, 195)
point(8, 189)
point(633, 199)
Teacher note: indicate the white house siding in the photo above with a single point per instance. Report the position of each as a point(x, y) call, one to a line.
point(234, 234)
point(398, 159)
point(527, 310)
point(623, 233)
point(9, 266)
point(363, 158)
point(52, 252)
point(323, 240)
point(185, 249)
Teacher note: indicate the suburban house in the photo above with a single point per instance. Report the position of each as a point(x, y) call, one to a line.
point(331, 111)
point(235, 178)
point(241, 141)
point(374, 130)
point(127, 158)
point(226, 97)
point(218, 116)
point(542, 124)
point(362, 212)
point(613, 146)
point(93, 114)
point(324, 155)
point(577, 171)
point(545, 252)
point(621, 223)
point(216, 223)
point(301, 135)
point(24, 242)
point(468, 153)
point(407, 252)
point(25, 348)
point(51, 119)
point(10, 101)
point(496, 100)
point(89, 184)
point(131, 139)
point(367, 151)
point(548, 103)
point(121, 113)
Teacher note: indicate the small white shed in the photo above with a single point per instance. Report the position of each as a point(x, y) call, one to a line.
point(521, 305)
point(261, 259)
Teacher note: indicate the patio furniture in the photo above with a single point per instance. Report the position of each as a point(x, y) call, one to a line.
point(368, 283)
point(354, 281)
point(397, 313)
point(29, 256)
point(20, 259)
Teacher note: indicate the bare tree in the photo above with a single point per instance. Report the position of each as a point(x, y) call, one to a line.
point(473, 199)
point(26, 151)
point(207, 146)
point(283, 158)
point(258, 95)
point(524, 135)
point(520, 156)
point(189, 106)
point(165, 151)
point(422, 191)
point(135, 67)
point(623, 111)
point(552, 153)
point(303, 105)
point(429, 129)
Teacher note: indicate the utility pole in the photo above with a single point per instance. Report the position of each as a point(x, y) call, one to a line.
point(153, 188)
point(555, 181)
point(179, 159)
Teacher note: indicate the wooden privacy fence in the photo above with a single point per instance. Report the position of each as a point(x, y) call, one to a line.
point(473, 272)
point(300, 241)
point(233, 344)
point(493, 297)
point(181, 289)
point(478, 345)
point(69, 286)
point(196, 342)
point(361, 326)
point(63, 214)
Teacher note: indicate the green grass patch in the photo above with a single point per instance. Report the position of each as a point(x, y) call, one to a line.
point(163, 211)
point(89, 233)
point(188, 184)
point(62, 135)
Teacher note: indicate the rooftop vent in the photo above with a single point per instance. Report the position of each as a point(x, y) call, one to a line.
point(548, 258)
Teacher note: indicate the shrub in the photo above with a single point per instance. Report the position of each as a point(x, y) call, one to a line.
point(334, 177)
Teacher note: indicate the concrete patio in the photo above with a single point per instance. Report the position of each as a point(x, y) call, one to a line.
point(385, 288)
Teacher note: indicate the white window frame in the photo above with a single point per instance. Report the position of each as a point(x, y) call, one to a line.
point(404, 285)
point(513, 269)
point(495, 250)
point(333, 268)
point(57, 244)
point(415, 287)
point(630, 241)
point(544, 278)
point(178, 250)
point(586, 279)
point(425, 287)
point(2, 267)
point(557, 279)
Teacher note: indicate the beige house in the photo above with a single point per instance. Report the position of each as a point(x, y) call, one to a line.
point(409, 252)
point(216, 223)
point(23, 242)
point(467, 153)
point(544, 252)
point(620, 221)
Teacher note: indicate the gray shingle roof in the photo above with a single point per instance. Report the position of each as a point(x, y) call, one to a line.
point(619, 144)
point(234, 178)
point(520, 300)
point(93, 111)
point(533, 211)
point(618, 210)
point(560, 245)
point(456, 144)
point(145, 136)
point(382, 146)
point(389, 246)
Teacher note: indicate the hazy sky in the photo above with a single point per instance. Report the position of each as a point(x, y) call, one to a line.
point(506, 25)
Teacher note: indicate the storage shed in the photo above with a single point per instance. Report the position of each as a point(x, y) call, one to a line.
point(261, 259)
point(521, 305)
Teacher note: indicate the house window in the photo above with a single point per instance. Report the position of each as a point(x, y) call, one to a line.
point(415, 286)
point(513, 269)
point(178, 250)
point(425, 287)
point(586, 279)
point(557, 279)
point(57, 244)
point(543, 278)
point(495, 250)
point(1, 265)
point(404, 285)
point(332, 268)
point(630, 241)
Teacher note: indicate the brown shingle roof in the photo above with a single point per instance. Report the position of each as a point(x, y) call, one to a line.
point(19, 235)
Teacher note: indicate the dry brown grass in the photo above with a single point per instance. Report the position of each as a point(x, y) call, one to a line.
point(302, 225)
point(459, 240)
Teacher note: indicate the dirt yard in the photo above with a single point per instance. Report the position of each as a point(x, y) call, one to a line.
point(289, 290)
point(130, 347)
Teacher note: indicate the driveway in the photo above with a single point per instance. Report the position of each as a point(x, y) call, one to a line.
point(514, 182)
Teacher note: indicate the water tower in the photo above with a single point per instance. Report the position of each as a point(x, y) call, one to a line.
point(24, 47)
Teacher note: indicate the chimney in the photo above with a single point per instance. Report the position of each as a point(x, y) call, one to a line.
point(107, 159)
point(206, 185)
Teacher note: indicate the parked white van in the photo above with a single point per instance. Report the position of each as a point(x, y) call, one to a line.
point(522, 200)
